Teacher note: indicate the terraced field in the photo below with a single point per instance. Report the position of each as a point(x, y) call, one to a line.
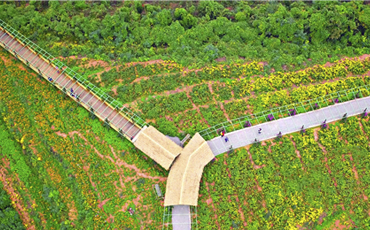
point(69, 170)
point(61, 168)
point(179, 101)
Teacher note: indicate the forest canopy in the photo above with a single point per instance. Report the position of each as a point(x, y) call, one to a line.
point(280, 33)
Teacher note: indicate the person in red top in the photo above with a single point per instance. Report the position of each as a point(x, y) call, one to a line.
point(222, 133)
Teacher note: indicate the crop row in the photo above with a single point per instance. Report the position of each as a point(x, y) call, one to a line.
point(170, 106)
point(239, 76)
point(160, 83)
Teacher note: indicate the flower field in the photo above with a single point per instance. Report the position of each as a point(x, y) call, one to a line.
point(64, 170)
point(186, 67)
point(179, 101)
point(317, 180)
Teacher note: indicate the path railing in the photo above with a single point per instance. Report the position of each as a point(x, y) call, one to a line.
point(71, 73)
point(285, 111)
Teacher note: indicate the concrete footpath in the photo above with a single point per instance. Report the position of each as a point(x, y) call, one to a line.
point(181, 219)
point(288, 125)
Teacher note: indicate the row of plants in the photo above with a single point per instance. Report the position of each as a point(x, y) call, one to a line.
point(268, 106)
point(256, 85)
point(318, 73)
point(159, 83)
point(15, 112)
point(223, 92)
point(262, 101)
point(285, 97)
point(201, 94)
point(302, 180)
point(161, 106)
point(124, 75)
point(241, 83)
point(74, 162)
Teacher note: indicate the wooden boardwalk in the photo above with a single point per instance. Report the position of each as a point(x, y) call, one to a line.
point(71, 86)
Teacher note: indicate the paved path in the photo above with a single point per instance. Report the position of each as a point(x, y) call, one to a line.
point(181, 217)
point(288, 125)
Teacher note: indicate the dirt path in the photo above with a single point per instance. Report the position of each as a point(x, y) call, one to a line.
point(125, 206)
point(195, 107)
point(316, 136)
point(122, 174)
point(297, 152)
point(212, 204)
point(240, 210)
point(251, 159)
point(8, 62)
point(216, 102)
point(64, 192)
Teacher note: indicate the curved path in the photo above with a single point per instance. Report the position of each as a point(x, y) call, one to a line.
point(288, 125)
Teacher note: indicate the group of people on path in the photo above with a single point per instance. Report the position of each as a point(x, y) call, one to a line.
point(223, 134)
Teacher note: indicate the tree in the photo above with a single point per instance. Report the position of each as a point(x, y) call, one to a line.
point(164, 17)
point(240, 16)
point(188, 21)
point(139, 6)
point(9, 218)
point(211, 8)
point(180, 13)
point(364, 18)
point(317, 24)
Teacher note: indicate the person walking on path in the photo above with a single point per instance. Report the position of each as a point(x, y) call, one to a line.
point(226, 139)
point(259, 131)
point(57, 69)
point(222, 133)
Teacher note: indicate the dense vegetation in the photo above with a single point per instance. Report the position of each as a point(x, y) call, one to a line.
point(9, 218)
point(280, 33)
